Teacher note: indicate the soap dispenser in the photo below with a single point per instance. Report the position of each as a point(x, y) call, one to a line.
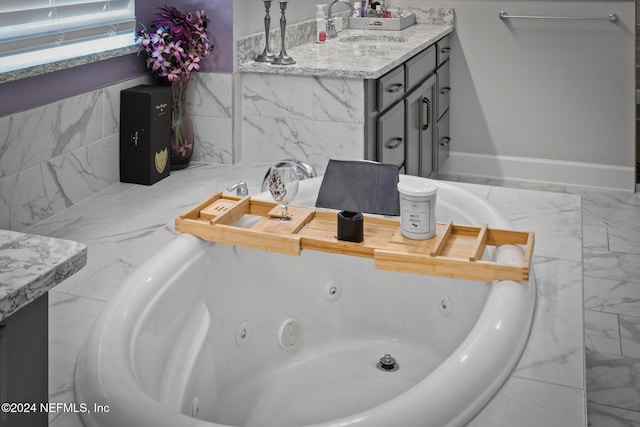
point(321, 24)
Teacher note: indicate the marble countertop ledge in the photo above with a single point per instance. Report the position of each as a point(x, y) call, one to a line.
point(30, 265)
point(337, 58)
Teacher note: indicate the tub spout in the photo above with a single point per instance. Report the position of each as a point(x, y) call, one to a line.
point(240, 188)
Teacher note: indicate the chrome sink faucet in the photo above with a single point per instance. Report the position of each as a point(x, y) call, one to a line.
point(331, 25)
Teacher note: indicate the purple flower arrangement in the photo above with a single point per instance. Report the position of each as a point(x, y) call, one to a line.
point(177, 43)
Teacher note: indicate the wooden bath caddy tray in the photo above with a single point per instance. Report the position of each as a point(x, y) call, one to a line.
point(455, 251)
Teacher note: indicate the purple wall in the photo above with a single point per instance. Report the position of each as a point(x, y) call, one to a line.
point(35, 91)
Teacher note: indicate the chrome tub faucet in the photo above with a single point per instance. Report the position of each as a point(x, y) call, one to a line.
point(240, 188)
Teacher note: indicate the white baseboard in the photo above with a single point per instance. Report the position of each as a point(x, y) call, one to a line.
point(542, 170)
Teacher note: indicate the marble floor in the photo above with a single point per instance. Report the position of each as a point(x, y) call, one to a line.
point(114, 225)
point(611, 254)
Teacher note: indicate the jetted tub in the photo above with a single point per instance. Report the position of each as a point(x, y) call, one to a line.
point(208, 334)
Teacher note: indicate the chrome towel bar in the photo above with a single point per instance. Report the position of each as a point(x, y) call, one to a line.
point(611, 18)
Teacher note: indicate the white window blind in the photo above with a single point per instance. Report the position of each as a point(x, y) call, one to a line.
point(28, 27)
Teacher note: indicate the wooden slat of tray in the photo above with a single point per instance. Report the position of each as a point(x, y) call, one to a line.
point(480, 244)
point(400, 243)
point(288, 244)
point(441, 238)
point(195, 212)
point(448, 267)
point(528, 253)
point(224, 211)
point(451, 241)
point(497, 237)
point(261, 207)
point(298, 215)
point(282, 243)
point(320, 234)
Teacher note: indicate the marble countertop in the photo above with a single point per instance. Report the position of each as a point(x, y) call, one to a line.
point(30, 265)
point(345, 58)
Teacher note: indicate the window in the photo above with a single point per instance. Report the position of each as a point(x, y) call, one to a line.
point(35, 32)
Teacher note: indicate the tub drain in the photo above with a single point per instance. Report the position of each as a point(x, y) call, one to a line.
point(387, 363)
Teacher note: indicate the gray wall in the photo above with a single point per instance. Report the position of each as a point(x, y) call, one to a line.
point(637, 88)
point(543, 100)
point(249, 15)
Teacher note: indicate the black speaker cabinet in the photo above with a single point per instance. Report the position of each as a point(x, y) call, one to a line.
point(145, 131)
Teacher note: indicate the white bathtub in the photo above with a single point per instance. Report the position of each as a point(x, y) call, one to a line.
point(209, 334)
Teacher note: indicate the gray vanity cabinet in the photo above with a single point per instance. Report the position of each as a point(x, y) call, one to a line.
point(402, 109)
point(442, 143)
point(24, 368)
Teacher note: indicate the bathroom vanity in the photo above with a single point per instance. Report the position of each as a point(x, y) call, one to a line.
point(406, 112)
point(375, 95)
point(29, 267)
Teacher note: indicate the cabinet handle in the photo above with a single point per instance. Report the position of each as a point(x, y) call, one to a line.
point(395, 143)
point(444, 141)
point(427, 113)
point(445, 90)
point(445, 49)
point(396, 87)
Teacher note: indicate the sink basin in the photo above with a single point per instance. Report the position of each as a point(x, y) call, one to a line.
point(373, 39)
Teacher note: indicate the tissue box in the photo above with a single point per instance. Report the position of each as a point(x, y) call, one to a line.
point(145, 132)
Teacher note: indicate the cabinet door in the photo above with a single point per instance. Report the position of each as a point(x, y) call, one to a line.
point(391, 138)
point(443, 141)
point(3, 373)
point(419, 67)
point(390, 88)
point(419, 129)
point(444, 89)
point(24, 362)
point(444, 49)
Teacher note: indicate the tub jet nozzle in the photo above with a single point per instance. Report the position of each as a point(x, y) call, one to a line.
point(387, 363)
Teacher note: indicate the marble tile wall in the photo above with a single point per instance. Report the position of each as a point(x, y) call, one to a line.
point(210, 100)
point(57, 155)
point(309, 119)
point(430, 15)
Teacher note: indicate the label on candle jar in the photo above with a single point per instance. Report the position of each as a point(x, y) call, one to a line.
point(415, 218)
